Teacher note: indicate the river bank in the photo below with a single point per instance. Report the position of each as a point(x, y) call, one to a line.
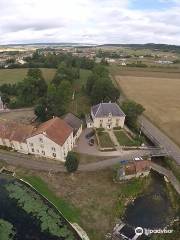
point(26, 215)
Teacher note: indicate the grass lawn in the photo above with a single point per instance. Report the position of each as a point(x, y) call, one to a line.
point(69, 211)
point(123, 139)
point(18, 74)
point(105, 140)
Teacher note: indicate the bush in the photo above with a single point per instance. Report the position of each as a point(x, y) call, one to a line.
point(72, 162)
point(117, 128)
point(100, 130)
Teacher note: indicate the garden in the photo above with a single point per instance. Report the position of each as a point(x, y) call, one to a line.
point(104, 139)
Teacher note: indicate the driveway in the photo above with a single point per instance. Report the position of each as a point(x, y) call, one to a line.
point(43, 164)
point(84, 148)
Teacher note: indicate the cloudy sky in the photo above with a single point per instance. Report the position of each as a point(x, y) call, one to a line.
point(90, 21)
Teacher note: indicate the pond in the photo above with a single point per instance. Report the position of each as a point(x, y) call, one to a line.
point(153, 209)
point(30, 216)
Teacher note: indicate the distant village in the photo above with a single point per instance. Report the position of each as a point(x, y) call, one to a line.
point(121, 56)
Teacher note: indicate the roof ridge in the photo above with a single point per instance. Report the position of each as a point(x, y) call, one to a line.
point(98, 109)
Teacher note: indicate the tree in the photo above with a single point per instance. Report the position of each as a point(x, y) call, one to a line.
point(72, 162)
point(65, 72)
point(40, 110)
point(90, 82)
point(31, 89)
point(35, 73)
point(104, 90)
point(132, 111)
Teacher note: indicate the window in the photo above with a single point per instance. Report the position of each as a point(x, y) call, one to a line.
point(43, 152)
point(21, 147)
point(32, 150)
point(31, 144)
point(117, 122)
point(41, 140)
point(54, 154)
point(53, 149)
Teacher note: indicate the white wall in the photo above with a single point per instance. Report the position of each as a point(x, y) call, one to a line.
point(78, 134)
point(112, 121)
point(20, 147)
point(5, 142)
point(43, 146)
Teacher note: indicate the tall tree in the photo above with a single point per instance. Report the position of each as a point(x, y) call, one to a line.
point(132, 111)
point(35, 73)
point(72, 162)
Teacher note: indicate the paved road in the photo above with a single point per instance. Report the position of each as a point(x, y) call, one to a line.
point(172, 149)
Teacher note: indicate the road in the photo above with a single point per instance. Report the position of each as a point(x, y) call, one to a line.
point(41, 164)
point(171, 148)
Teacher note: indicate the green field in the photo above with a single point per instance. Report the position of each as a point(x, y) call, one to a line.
point(18, 74)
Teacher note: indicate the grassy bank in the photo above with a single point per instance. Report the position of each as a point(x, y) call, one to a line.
point(69, 211)
point(129, 191)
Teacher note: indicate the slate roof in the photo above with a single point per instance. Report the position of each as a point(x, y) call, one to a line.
point(73, 121)
point(104, 109)
point(55, 129)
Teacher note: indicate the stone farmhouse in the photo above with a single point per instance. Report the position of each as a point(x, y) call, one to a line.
point(137, 168)
point(106, 115)
point(52, 139)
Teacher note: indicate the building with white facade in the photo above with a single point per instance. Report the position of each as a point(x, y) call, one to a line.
point(52, 139)
point(106, 115)
point(14, 135)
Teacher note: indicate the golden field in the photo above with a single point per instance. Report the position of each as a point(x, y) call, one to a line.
point(159, 93)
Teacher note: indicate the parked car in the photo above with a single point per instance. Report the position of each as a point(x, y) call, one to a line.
point(91, 142)
point(90, 134)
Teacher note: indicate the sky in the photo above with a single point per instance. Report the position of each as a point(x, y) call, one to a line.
point(90, 21)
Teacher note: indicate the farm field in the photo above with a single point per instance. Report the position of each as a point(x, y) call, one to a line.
point(158, 92)
point(18, 74)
